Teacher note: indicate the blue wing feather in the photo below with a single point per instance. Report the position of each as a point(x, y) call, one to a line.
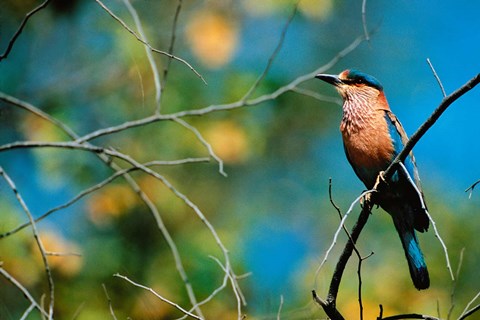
point(404, 189)
point(399, 139)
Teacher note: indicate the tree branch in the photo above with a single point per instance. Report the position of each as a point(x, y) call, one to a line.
point(173, 304)
point(139, 38)
point(20, 28)
point(446, 102)
point(224, 107)
point(25, 292)
point(48, 271)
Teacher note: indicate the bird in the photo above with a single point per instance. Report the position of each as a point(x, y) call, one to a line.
point(372, 137)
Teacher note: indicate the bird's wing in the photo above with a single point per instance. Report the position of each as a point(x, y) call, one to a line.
point(414, 193)
point(399, 139)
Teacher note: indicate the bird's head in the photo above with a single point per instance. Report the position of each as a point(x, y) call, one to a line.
point(352, 83)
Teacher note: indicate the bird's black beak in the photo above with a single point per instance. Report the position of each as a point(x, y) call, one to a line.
point(329, 78)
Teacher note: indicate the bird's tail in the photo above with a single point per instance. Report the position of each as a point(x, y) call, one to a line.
point(414, 255)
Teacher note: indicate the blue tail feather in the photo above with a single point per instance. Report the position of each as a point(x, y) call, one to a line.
point(414, 255)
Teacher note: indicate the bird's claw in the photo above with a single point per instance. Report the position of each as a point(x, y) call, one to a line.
point(367, 200)
point(380, 180)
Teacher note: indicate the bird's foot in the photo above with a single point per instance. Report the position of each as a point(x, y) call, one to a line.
point(368, 200)
point(380, 180)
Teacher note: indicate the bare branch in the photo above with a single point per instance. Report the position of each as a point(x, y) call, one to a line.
point(364, 20)
point(279, 312)
point(27, 311)
point(316, 95)
point(335, 236)
point(62, 254)
point(467, 311)
point(24, 290)
point(51, 286)
point(437, 77)
point(409, 316)
point(446, 102)
point(454, 285)
point(173, 304)
point(20, 28)
point(437, 234)
point(238, 293)
point(223, 107)
point(36, 111)
point(331, 311)
point(360, 258)
point(110, 307)
point(207, 145)
point(471, 188)
point(153, 65)
point(99, 185)
point(171, 56)
point(272, 56)
point(172, 41)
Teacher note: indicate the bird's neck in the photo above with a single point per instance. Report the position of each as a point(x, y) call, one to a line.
point(360, 109)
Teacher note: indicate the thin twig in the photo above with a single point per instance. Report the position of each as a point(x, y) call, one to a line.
point(454, 284)
point(36, 111)
point(20, 28)
point(48, 272)
point(24, 290)
point(437, 234)
point(279, 312)
point(359, 274)
point(219, 288)
point(172, 41)
point(171, 56)
point(316, 95)
point(273, 55)
point(27, 311)
point(214, 292)
point(207, 145)
point(238, 293)
point(337, 232)
point(63, 254)
point(151, 60)
point(357, 252)
point(409, 316)
point(223, 107)
point(173, 304)
point(467, 311)
point(99, 185)
point(78, 311)
point(364, 20)
point(471, 188)
point(110, 306)
point(437, 77)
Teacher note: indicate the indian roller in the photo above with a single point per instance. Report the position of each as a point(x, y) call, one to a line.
point(372, 138)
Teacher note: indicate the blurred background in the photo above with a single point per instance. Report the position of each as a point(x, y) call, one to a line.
point(273, 213)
